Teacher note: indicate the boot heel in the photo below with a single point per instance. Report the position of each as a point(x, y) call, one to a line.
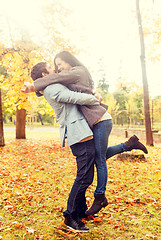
point(99, 202)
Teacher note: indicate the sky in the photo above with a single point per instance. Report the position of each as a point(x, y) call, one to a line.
point(103, 29)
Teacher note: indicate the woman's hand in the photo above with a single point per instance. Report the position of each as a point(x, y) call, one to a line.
point(98, 96)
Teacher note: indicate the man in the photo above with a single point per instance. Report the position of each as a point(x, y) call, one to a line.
point(80, 139)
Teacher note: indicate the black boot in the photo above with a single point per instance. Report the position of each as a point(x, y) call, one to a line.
point(100, 201)
point(133, 143)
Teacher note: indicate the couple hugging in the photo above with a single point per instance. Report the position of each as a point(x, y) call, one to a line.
point(85, 122)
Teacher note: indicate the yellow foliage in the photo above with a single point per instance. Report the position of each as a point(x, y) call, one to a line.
point(1, 79)
point(155, 53)
point(18, 62)
point(112, 104)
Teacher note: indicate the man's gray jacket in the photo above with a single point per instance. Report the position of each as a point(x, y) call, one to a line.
point(64, 103)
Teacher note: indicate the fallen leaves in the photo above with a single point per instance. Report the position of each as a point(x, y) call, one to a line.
point(36, 176)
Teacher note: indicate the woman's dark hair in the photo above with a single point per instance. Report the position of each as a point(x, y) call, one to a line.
point(73, 62)
point(38, 69)
point(68, 58)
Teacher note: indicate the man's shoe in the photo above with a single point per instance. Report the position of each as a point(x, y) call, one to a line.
point(133, 143)
point(100, 201)
point(75, 224)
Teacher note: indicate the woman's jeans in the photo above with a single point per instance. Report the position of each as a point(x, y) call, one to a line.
point(85, 157)
point(101, 132)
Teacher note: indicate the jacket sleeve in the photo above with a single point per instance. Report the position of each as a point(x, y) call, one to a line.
point(64, 77)
point(62, 94)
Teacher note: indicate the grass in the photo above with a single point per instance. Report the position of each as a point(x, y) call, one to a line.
point(36, 176)
point(35, 131)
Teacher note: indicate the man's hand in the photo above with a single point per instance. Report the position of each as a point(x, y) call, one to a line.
point(28, 87)
point(98, 96)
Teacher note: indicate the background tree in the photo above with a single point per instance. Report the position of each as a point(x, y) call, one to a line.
point(121, 98)
point(1, 124)
point(154, 54)
point(113, 106)
point(102, 85)
point(134, 107)
point(18, 60)
point(42, 109)
point(2, 73)
point(156, 112)
point(55, 22)
point(149, 135)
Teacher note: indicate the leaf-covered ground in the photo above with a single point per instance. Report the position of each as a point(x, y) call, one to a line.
point(36, 176)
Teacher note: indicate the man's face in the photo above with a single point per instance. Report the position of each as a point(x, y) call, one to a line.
point(49, 69)
point(62, 65)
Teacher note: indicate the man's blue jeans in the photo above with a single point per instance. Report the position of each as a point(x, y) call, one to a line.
point(101, 132)
point(85, 158)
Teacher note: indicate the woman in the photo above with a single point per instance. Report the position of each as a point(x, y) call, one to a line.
point(76, 77)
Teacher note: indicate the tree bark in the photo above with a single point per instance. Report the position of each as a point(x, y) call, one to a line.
point(20, 123)
point(149, 134)
point(39, 116)
point(1, 124)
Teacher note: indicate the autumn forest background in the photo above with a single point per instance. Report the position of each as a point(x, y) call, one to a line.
point(35, 172)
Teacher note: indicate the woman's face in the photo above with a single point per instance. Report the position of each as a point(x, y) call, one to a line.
point(62, 65)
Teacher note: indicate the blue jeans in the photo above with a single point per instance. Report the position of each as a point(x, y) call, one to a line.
point(85, 158)
point(101, 132)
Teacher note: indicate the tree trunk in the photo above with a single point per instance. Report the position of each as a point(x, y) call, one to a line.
point(1, 124)
point(20, 123)
point(39, 116)
point(149, 135)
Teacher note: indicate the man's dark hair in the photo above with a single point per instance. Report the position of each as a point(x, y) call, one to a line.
point(38, 69)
